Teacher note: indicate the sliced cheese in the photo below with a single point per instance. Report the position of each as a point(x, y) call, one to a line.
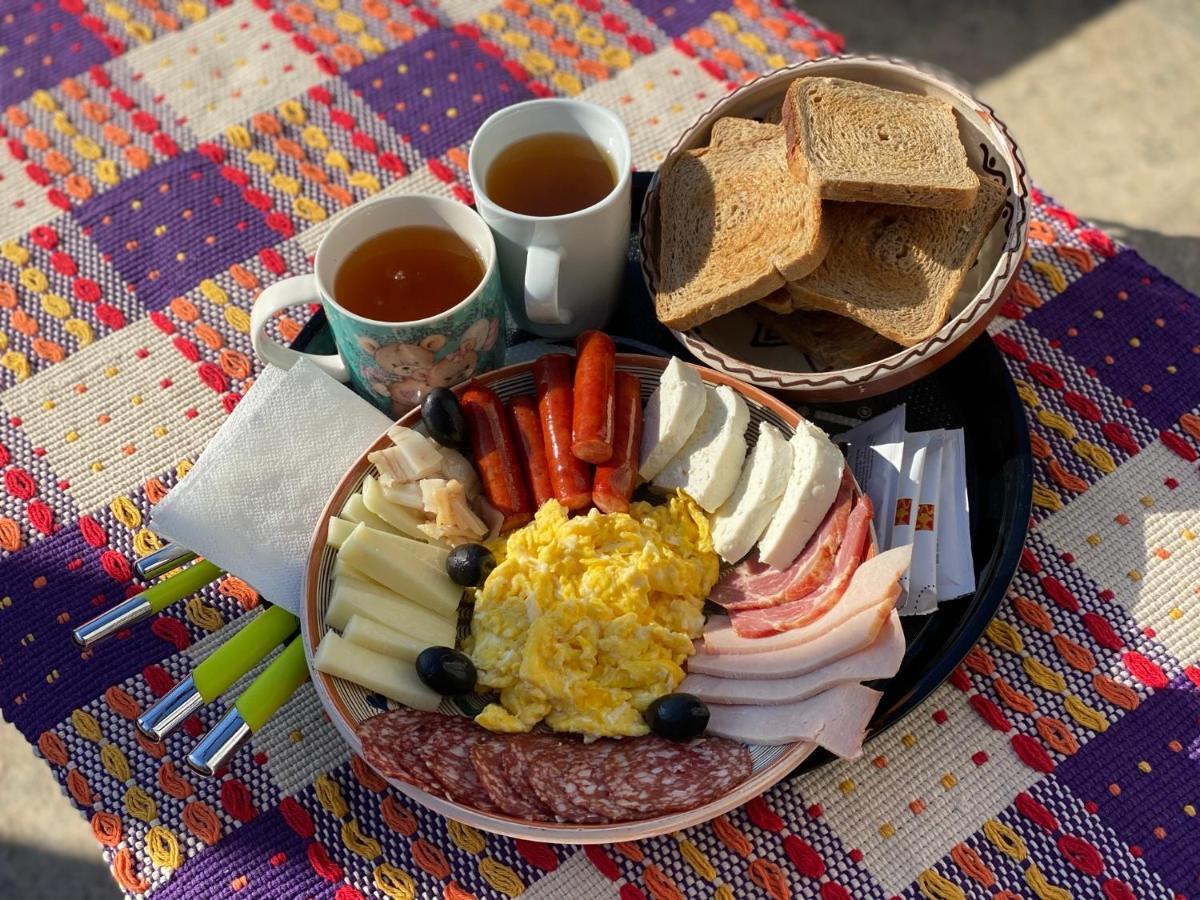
point(395, 679)
point(355, 597)
point(337, 531)
point(429, 554)
point(710, 461)
point(406, 521)
point(355, 510)
point(382, 639)
point(815, 477)
point(742, 518)
point(670, 417)
point(387, 561)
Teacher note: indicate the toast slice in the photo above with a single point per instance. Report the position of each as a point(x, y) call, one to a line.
point(734, 226)
point(855, 141)
point(733, 130)
point(896, 269)
point(829, 340)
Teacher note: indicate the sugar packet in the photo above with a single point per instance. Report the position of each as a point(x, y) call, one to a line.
point(874, 454)
point(922, 572)
point(955, 565)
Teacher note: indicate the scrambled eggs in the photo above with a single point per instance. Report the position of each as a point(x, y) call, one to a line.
point(585, 621)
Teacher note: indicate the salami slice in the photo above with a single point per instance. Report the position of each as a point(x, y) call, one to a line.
point(650, 776)
point(447, 754)
point(391, 744)
point(503, 769)
point(571, 780)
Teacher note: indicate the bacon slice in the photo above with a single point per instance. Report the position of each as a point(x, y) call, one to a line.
point(811, 605)
point(881, 659)
point(836, 719)
point(873, 584)
point(754, 584)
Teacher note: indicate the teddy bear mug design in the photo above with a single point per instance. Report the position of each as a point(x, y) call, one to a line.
point(394, 364)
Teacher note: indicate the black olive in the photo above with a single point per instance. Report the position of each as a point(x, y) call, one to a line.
point(470, 564)
point(677, 717)
point(443, 418)
point(446, 671)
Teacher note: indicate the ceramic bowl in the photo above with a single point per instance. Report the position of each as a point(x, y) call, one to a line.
point(737, 345)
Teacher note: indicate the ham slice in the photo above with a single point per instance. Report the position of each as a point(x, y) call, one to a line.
point(851, 636)
point(881, 659)
point(875, 582)
point(800, 611)
point(754, 584)
point(836, 719)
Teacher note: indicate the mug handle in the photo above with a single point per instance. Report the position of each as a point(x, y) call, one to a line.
point(295, 291)
point(541, 287)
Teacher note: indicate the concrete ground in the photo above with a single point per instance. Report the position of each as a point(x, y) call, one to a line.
point(1100, 95)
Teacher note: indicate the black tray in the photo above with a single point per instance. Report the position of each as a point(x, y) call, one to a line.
point(973, 392)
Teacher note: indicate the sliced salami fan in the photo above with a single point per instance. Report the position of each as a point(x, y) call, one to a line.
point(391, 744)
point(650, 775)
point(503, 769)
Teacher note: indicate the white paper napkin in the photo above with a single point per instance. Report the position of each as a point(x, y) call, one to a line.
point(251, 501)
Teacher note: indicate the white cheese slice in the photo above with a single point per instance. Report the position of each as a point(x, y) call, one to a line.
point(382, 639)
point(387, 561)
point(430, 554)
point(742, 518)
point(353, 596)
point(355, 510)
point(394, 678)
point(710, 461)
point(406, 521)
point(338, 530)
point(815, 478)
point(670, 417)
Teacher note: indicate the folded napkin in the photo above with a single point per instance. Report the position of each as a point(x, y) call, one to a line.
point(251, 501)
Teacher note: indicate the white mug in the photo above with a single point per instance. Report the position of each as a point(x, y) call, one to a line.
point(561, 274)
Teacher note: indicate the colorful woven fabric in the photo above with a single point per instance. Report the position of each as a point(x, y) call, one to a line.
point(163, 161)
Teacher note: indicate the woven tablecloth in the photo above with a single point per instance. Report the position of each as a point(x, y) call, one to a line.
point(166, 159)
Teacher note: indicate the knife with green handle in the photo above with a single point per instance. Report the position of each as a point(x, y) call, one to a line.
point(141, 606)
point(213, 677)
point(251, 710)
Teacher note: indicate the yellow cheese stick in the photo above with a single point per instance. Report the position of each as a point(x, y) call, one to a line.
point(382, 639)
point(386, 559)
point(338, 530)
point(394, 678)
point(403, 520)
point(356, 511)
point(430, 554)
point(352, 596)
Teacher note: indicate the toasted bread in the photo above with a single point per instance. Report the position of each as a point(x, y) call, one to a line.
point(722, 240)
point(829, 340)
point(855, 141)
point(896, 269)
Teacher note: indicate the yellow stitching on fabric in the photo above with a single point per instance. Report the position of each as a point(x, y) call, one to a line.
point(465, 837)
point(163, 848)
point(115, 762)
point(1005, 636)
point(1057, 423)
point(1097, 456)
point(724, 892)
point(501, 877)
point(126, 512)
point(146, 542)
point(1058, 281)
point(394, 882)
point(1005, 839)
point(86, 725)
point(1044, 677)
point(238, 319)
point(80, 330)
point(1044, 889)
point(212, 291)
point(1045, 498)
point(695, 858)
point(140, 804)
point(364, 845)
point(329, 795)
point(938, 887)
point(202, 615)
point(1027, 393)
point(1089, 718)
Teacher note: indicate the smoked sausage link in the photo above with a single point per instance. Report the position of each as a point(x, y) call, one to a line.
point(495, 455)
point(615, 479)
point(531, 446)
point(592, 417)
point(571, 477)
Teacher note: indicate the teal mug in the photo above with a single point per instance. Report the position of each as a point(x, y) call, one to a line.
point(394, 364)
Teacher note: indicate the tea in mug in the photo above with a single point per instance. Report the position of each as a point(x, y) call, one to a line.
point(407, 274)
point(550, 175)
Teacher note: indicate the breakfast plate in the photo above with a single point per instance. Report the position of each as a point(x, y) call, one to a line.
point(350, 705)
